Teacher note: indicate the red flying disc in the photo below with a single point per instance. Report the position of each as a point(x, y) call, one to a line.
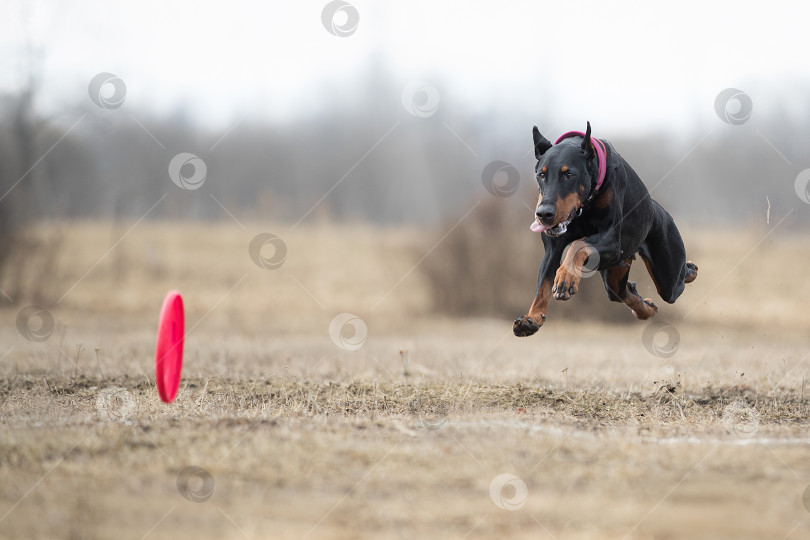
point(169, 350)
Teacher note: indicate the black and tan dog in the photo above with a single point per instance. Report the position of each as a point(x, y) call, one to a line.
point(595, 212)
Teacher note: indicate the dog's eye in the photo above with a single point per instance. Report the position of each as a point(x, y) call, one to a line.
point(569, 175)
point(541, 176)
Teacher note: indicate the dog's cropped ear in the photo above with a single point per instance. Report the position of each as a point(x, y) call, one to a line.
point(541, 144)
point(586, 143)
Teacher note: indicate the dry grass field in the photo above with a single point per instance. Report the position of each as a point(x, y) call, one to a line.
point(294, 435)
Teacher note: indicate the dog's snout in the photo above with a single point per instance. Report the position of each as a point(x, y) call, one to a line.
point(545, 213)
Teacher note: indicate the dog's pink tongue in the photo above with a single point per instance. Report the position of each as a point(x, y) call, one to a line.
point(537, 227)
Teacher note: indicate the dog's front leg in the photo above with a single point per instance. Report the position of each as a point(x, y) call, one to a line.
point(569, 274)
point(566, 281)
point(528, 324)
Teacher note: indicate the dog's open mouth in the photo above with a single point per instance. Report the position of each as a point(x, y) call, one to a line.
point(556, 230)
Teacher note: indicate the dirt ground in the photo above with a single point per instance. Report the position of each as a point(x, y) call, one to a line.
point(398, 423)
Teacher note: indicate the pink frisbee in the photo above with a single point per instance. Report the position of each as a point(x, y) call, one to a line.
point(169, 349)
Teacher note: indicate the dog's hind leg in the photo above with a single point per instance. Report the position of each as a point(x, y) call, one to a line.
point(621, 290)
point(665, 257)
point(691, 272)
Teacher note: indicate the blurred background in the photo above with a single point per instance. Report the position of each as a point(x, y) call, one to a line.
point(386, 115)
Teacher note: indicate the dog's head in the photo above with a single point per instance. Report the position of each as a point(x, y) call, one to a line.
point(565, 173)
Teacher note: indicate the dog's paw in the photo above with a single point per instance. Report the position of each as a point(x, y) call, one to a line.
point(646, 310)
point(526, 326)
point(566, 284)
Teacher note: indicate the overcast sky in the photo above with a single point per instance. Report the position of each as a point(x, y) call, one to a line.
point(630, 65)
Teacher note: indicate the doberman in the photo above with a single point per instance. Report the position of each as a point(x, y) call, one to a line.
point(595, 213)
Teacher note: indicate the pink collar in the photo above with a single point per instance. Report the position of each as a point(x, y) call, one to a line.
point(601, 154)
